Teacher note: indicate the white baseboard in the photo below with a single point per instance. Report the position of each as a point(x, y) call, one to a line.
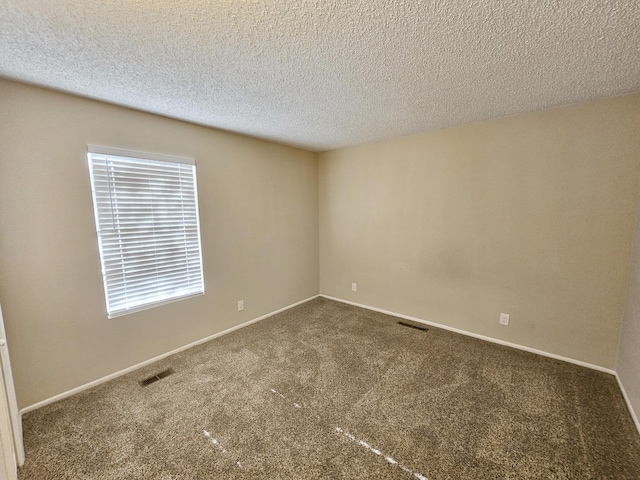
point(86, 386)
point(475, 335)
point(629, 406)
point(99, 381)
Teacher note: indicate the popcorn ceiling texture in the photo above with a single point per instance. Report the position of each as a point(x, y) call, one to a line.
point(323, 74)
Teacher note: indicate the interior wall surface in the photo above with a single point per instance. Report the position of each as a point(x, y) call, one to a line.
point(258, 206)
point(530, 215)
point(628, 361)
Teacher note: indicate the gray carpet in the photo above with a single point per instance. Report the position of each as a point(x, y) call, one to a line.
point(326, 390)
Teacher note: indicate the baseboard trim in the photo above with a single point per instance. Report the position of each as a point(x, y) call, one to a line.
point(628, 400)
point(476, 335)
point(132, 368)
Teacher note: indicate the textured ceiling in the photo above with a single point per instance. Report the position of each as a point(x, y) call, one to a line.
point(323, 74)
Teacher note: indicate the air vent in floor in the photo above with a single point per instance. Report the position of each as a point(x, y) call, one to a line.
point(417, 327)
point(158, 376)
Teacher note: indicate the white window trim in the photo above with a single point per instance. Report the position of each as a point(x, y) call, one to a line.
point(119, 152)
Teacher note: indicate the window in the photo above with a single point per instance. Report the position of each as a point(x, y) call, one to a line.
point(146, 209)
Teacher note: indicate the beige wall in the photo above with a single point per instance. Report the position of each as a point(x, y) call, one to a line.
point(628, 364)
point(259, 226)
point(530, 215)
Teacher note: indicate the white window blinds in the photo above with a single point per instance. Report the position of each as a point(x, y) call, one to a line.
point(146, 209)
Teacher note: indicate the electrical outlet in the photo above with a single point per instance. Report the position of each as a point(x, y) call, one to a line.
point(240, 305)
point(504, 319)
point(354, 287)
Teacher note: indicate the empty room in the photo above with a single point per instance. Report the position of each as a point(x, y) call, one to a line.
point(295, 239)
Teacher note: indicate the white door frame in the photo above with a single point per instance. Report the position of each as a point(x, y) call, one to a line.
point(8, 466)
point(10, 397)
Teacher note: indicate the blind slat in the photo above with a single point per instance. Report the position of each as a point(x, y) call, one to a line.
point(131, 274)
point(137, 243)
point(126, 291)
point(123, 291)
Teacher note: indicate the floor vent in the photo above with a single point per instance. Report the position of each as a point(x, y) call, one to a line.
point(158, 376)
point(417, 327)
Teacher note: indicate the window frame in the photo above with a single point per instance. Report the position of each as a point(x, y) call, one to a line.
point(141, 157)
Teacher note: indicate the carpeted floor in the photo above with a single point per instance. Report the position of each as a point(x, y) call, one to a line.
point(327, 390)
